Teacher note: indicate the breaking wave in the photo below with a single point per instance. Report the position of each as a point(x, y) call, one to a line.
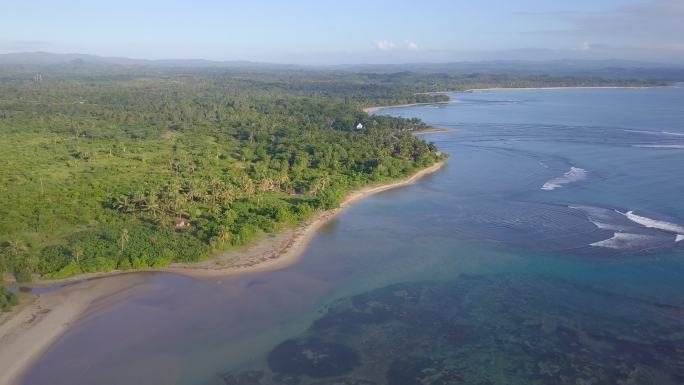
point(672, 133)
point(604, 219)
point(631, 231)
point(623, 241)
point(575, 174)
point(654, 223)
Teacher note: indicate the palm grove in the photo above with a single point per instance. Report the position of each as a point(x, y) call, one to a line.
point(103, 173)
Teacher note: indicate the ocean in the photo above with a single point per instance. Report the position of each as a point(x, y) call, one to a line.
point(549, 250)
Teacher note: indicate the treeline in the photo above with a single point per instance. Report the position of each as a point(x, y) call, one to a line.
point(102, 174)
point(358, 88)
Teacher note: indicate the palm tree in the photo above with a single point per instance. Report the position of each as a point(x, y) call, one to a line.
point(122, 204)
point(123, 238)
point(224, 236)
point(15, 247)
point(77, 253)
point(214, 209)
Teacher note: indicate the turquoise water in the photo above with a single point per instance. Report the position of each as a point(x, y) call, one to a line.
point(545, 252)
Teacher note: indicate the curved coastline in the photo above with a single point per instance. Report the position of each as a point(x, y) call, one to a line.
point(28, 331)
point(373, 109)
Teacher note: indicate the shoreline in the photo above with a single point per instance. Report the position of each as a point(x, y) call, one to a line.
point(551, 88)
point(434, 130)
point(292, 243)
point(31, 328)
point(373, 109)
point(264, 254)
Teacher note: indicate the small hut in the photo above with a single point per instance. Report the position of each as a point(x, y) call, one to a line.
point(181, 223)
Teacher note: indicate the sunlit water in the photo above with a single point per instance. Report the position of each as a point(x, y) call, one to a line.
point(548, 251)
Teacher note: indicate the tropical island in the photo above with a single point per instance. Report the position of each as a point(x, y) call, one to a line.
point(117, 168)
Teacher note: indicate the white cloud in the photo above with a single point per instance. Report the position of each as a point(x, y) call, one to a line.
point(389, 45)
point(385, 45)
point(585, 46)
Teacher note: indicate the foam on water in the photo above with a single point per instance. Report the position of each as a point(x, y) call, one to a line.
point(623, 241)
point(667, 133)
point(670, 146)
point(679, 238)
point(654, 223)
point(673, 133)
point(604, 219)
point(575, 174)
point(603, 226)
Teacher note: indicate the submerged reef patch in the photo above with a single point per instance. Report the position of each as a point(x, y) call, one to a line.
point(312, 357)
point(483, 330)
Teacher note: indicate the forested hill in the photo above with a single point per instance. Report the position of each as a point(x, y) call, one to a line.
point(112, 167)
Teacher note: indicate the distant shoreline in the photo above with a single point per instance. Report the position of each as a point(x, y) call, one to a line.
point(373, 109)
point(551, 88)
point(370, 110)
point(33, 327)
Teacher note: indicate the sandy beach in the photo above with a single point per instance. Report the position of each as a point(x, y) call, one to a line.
point(35, 325)
point(32, 327)
point(284, 249)
point(370, 110)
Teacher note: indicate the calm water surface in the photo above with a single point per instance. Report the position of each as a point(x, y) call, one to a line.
point(550, 249)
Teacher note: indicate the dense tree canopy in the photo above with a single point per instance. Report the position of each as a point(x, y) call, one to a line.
point(102, 174)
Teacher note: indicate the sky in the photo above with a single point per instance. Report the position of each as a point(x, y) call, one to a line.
point(350, 31)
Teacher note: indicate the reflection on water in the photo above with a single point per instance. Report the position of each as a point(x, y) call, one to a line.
point(476, 275)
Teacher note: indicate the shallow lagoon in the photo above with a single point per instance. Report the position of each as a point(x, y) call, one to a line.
point(510, 265)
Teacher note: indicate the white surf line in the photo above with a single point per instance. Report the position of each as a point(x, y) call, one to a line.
point(654, 223)
point(621, 241)
point(665, 146)
point(574, 175)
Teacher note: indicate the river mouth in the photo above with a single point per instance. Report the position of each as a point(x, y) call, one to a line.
point(478, 271)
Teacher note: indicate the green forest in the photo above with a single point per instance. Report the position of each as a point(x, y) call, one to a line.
point(108, 168)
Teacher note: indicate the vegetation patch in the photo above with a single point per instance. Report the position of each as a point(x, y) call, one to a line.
point(7, 299)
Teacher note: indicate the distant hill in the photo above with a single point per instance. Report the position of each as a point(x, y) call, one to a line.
point(47, 59)
point(605, 69)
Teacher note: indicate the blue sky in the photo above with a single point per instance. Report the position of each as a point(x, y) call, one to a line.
point(352, 31)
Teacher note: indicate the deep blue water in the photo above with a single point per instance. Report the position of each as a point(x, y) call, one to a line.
point(545, 252)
